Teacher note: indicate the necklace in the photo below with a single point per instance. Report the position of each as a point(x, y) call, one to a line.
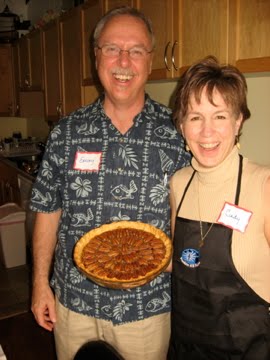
point(203, 236)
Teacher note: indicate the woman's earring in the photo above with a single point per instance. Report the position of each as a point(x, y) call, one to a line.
point(237, 142)
point(187, 148)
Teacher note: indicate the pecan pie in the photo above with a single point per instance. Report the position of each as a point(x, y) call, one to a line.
point(123, 254)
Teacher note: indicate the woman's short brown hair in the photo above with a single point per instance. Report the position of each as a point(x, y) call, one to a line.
point(209, 74)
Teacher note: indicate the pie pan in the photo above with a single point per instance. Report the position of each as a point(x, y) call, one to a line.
point(123, 254)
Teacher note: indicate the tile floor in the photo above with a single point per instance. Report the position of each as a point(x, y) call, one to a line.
point(15, 289)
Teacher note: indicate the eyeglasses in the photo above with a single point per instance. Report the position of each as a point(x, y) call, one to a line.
point(113, 51)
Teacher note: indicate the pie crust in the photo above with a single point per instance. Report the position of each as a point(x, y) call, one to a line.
point(123, 254)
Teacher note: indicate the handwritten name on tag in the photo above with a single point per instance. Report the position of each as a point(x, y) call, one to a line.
point(88, 161)
point(234, 217)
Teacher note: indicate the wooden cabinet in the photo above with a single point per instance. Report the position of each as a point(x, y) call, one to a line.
point(15, 73)
point(252, 45)
point(8, 81)
point(59, 61)
point(9, 189)
point(90, 13)
point(186, 31)
point(62, 65)
point(30, 62)
point(31, 75)
point(110, 4)
point(52, 79)
point(235, 31)
point(70, 47)
point(161, 14)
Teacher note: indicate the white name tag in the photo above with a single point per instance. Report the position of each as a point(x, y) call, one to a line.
point(89, 161)
point(234, 217)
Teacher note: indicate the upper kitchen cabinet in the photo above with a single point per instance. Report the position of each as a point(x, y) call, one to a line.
point(15, 76)
point(110, 4)
point(70, 60)
point(52, 78)
point(252, 45)
point(31, 75)
point(186, 31)
point(30, 62)
point(161, 14)
point(204, 29)
point(8, 80)
point(90, 13)
point(61, 40)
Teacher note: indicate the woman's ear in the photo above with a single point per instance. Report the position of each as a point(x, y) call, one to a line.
point(181, 128)
point(238, 124)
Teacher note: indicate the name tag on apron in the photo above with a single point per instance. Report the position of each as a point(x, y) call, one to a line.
point(234, 217)
point(88, 161)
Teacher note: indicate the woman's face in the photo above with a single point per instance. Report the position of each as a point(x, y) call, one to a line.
point(210, 130)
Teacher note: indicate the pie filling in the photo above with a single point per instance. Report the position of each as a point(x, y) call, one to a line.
point(123, 254)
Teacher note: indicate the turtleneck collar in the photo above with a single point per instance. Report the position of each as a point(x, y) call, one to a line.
point(224, 171)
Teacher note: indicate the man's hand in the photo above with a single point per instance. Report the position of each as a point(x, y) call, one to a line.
point(43, 306)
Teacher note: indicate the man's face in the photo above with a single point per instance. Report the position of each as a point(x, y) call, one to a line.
point(124, 77)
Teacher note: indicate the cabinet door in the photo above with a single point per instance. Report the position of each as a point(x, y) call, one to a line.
point(252, 45)
point(52, 79)
point(6, 80)
point(35, 61)
point(202, 29)
point(24, 68)
point(31, 79)
point(15, 72)
point(91, 12)
point(110, 4)
point(30, 62)
point(70, 47)
point(161, 14)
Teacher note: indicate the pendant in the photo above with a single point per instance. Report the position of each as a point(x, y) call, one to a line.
point(190, 257)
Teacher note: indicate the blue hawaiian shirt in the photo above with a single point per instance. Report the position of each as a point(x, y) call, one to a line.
point(97, 175)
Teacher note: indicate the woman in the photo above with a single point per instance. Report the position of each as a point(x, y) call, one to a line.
point(221, 224)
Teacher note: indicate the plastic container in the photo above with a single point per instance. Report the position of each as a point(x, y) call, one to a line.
point(12, 235)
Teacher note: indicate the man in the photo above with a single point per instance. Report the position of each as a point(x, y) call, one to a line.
point(130, 145)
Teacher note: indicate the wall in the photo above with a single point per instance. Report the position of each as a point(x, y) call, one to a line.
point(17, 7)
point(255, 139)
point(10, 124)
point(28, 127)
point(35, 8)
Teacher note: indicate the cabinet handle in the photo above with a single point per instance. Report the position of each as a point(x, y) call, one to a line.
point(173, 60)
point(59, 109)
point(165, 56)
point(10, 109)
point(27, 80)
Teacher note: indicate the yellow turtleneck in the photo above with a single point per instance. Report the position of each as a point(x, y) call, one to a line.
point(205, 198)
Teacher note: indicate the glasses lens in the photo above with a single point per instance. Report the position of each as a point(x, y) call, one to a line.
point(110, 50)
point(137, 53)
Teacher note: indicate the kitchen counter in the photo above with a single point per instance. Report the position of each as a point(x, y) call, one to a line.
point(13, 163)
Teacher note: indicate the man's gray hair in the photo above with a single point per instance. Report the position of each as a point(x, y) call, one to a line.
point(118, 11)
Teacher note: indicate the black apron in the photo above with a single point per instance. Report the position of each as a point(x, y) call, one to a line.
point(215, 314)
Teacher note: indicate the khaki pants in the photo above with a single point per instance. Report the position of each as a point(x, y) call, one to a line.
point(141, 340)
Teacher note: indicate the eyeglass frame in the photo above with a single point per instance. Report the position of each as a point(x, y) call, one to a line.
point(147, 52)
